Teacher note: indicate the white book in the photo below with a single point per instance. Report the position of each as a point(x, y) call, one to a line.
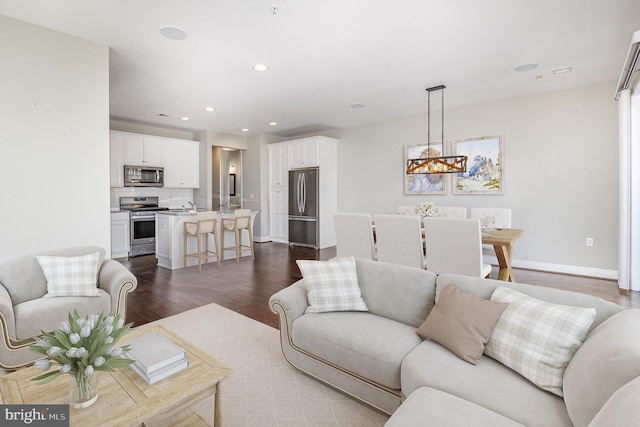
point(152, 352)
point(161, 373)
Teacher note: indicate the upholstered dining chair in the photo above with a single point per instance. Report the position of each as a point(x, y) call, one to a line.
point(452, 212)
point(455, 246)
point(206, 223)
point(241, 221)
point(354, 235)
point(399, 240)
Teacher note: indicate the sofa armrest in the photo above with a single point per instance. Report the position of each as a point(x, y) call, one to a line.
point(118, 281)
point(7, 317)
point(289, 303)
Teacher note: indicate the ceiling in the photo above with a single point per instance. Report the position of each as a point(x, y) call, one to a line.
point(324, 56)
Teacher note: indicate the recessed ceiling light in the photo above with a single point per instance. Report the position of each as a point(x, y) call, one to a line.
point(273, 123)
point(210, 109)
point(173, 33)
point(525, 67)
point(245, 130)
point(357, 105)
point(185, 118)
point(261, 67)
point(562, 70)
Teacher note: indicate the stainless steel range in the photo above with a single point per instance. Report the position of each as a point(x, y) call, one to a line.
point(142, 214)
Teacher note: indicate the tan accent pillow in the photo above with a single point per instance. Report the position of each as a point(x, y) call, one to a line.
point(462, 322)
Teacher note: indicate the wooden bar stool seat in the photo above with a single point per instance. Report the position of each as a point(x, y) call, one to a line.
point(206, 222)
point(241, 221)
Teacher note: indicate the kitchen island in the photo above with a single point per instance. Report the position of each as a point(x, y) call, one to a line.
point(170, 243)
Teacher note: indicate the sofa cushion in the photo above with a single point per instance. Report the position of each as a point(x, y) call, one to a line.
point(332, 285)
point(621, 408)
point(537, 339)
point(608, 359)
point(22, 276)
point(483, 288)
point(397, 292)
point(363, 343)
point(489, 384)
point(427, 406)
point(69, 276)
point(462, 323)
point(47, 313)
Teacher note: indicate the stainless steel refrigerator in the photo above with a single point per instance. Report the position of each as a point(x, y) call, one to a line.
point(303, 207)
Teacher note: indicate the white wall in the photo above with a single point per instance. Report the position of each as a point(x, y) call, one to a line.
point(54, 140)
point(560, 169)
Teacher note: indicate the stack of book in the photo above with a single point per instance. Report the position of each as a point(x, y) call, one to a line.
point(155, 357)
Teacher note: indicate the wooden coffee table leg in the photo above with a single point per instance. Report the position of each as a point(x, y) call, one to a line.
point(217, 413)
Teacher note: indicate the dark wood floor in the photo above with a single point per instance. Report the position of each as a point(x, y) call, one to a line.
point(246, 287)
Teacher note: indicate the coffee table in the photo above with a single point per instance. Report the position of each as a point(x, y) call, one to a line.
point(124, 398)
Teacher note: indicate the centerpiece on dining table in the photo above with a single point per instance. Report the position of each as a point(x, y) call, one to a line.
point(426, 209)
point(82, 347)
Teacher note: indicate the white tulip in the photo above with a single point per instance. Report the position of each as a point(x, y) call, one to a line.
point(65, 368)
point(116, 352)
point(74, 338)
point(85, 331)
point(42, 365)
point(108, 340)
point(88, 370)
point(99, 361)
point(53, 351)
point(64, 325)
point(81, 351)
point(72, 352)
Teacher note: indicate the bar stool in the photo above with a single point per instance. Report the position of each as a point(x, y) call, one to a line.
point(241, 221)
point(206, 222)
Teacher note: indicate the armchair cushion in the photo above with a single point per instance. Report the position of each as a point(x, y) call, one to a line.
point(70, 276)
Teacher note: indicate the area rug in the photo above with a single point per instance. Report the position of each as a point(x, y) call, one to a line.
point(264, 389)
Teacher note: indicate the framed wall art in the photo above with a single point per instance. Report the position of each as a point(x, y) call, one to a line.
point(485, 166)
point(423, 183)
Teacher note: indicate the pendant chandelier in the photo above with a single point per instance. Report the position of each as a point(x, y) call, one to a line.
point(436, 164)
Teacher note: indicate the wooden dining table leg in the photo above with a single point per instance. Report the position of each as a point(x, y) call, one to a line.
point(503, 253)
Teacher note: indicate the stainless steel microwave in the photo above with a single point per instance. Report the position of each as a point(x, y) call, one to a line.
point(143, 176)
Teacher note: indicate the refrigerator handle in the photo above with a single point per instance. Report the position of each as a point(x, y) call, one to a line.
point(304, 194)
point(299, 200)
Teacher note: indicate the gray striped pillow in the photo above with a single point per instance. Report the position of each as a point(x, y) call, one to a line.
point(537, 339)
point(332, 285)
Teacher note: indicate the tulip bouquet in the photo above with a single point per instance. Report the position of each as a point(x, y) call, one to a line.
point(82, 346)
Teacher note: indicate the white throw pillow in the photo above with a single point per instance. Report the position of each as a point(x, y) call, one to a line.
point(537, 339)
point(332, 285)
point(70, 276)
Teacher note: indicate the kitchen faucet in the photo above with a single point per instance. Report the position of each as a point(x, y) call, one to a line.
point(193, 206)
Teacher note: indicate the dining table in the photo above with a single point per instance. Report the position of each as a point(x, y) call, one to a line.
point(502, 240)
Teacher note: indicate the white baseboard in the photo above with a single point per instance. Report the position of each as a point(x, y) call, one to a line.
point(558, 268)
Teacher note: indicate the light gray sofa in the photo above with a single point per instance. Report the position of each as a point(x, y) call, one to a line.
point(24, 312)
point(378, 358)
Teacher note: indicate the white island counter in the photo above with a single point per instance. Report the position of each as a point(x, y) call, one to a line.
point(170, 243)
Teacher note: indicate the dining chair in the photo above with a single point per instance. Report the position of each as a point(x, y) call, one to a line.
point(406, 210)
point(205, 224)
point(455, 246)
point(354, 235)
point(241, 221)
point(399, 240)
point(452, 212)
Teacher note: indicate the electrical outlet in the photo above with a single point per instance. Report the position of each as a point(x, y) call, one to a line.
point(589, 241)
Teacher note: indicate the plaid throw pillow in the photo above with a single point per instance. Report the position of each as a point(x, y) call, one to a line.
point(537, 339)
point(332, 285)
point(70, 276)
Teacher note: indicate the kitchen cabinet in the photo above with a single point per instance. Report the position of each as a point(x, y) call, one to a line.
point(317, 151)
point(120, 232)
point(181, 168)
point(116, 160)
point(304, 153)
point(143, 150)
point(278, 192)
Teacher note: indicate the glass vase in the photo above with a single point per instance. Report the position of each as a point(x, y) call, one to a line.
point(83, 390)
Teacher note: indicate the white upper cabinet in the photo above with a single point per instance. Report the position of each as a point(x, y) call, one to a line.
point(179, 157)
point(304, 153)
point(116, 159)
point(142, 150)
point(279, 165)
point(181, 169)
